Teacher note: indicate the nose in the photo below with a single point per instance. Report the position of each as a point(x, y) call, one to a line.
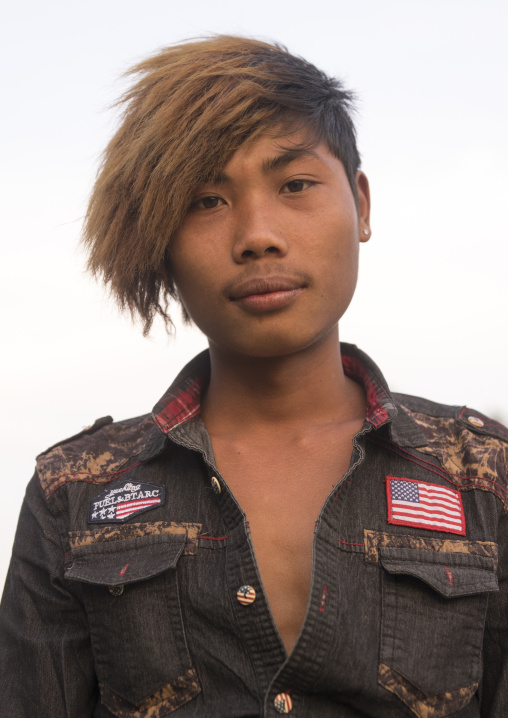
point(257, 236)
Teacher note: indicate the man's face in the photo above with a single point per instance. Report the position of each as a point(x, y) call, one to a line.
point(266, 259)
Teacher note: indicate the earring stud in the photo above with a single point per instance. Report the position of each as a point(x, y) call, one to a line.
point(366, 231)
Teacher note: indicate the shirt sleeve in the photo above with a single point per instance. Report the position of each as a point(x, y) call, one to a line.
point(494, 685)
point(46, 665)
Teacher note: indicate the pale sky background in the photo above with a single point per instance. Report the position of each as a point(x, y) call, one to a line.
point(432, 297)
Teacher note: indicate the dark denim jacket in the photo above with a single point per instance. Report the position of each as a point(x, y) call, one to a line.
point(134, 592)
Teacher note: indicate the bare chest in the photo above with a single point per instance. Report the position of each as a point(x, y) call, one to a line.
point(282, 489)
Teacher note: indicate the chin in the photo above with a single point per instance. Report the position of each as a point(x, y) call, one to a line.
point(277, 344)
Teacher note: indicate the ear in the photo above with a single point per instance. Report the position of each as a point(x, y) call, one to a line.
point(363, 190)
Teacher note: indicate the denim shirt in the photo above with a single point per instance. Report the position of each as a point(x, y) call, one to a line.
point(134, 591)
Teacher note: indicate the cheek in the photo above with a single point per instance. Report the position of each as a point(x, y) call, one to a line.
point(340, 258)
point(188, 264)
point(196, 262)
point(197, 292)
point(341, 278)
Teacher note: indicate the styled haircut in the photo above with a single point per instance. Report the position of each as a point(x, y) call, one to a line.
point(191, 107)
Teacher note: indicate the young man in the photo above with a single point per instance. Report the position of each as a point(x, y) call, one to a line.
point(282, 535)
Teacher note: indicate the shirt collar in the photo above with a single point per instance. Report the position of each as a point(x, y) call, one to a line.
point(383, 407)
point(360, 367)
point(181, 402)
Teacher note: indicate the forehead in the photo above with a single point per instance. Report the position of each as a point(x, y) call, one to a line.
point(277, 148)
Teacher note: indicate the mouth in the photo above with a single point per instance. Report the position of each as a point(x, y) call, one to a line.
point(261, 294)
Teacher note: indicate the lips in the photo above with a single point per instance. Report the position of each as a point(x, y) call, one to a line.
point(264, 285)
point(261, 295)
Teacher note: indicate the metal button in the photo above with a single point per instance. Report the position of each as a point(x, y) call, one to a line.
point(476, 421)
point(116, 590)
point(216, 485)
point(246, 595)
point(283, 703)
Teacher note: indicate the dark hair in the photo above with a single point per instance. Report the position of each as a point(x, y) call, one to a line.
point(192, 106)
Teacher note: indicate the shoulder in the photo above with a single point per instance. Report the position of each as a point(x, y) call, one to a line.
point(472, 447)
point(432, 415)
point(97, 454)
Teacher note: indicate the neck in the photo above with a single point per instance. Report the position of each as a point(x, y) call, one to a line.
point(308, 387)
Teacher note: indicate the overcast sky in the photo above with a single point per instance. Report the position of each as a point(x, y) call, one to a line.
point(433, 115)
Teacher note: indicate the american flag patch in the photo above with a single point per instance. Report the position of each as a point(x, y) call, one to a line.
point(424, 505)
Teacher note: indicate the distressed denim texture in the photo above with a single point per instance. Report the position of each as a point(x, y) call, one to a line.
point(140, 619)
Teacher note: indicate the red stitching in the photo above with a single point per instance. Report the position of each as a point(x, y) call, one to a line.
point(483, 418)
point(445, 474)
point(124, 569)
point(429, 463)
point(420, 525)
point(213, 538)
point(459, 476)
point(348, 543)
point(89, 473)
point(450, 575)
point(324, 596)
point(336, 498)
point(78, 474)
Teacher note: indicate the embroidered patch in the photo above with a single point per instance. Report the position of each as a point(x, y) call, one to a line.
point(124, 500)
point(424, 505)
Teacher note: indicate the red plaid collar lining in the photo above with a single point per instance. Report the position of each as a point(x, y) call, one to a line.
point(179, 406)
point(182, 401)
point(378, 397)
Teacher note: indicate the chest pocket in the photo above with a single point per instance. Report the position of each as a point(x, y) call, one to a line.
point(433, 616)
point(130, 592)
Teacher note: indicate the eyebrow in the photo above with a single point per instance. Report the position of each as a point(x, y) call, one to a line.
point(285, 158)
point(271, 164)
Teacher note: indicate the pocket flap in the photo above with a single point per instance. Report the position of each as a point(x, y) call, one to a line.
point(111, 563)
point(450, 574)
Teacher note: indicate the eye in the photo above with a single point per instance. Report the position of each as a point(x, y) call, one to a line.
point(210, 202)
point(296, 185)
